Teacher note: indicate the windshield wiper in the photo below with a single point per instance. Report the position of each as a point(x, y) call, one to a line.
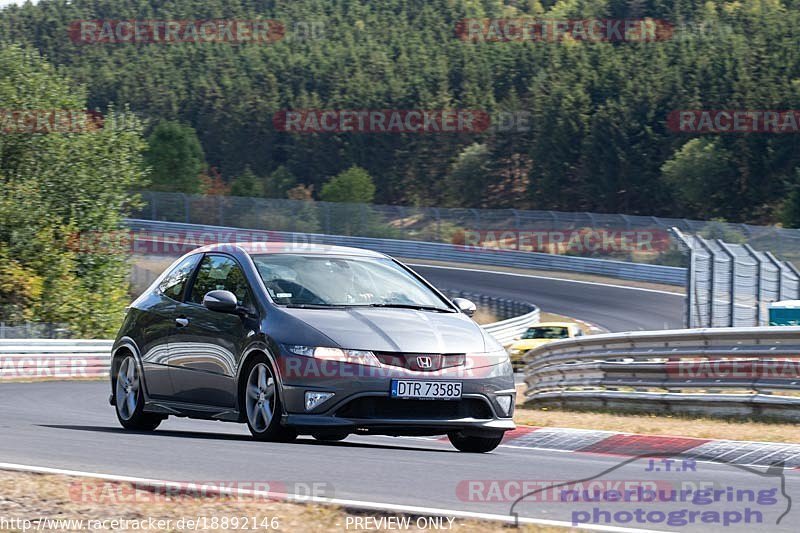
point(413, 306)
point(313, 306)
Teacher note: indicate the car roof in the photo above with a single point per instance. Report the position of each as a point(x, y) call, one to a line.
point(256, 248)
point(554, 324)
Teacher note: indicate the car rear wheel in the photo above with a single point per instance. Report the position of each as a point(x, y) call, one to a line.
point(262, 404)
point(474, 444)
point(129, 398)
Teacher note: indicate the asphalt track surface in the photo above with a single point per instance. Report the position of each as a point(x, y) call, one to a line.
point(70, 425)
point(612, 307)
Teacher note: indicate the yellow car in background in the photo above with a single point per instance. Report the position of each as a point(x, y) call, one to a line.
point(540, 334)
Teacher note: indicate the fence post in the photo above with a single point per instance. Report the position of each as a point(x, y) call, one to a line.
point(477, 214)
point(186, 216)
point(153, 209)
point(327, 207)
point(690, 271)
point(777, 264)
point(712, 263)
point(759, 263)
point(363, 221)
point(732, 257)
point(794, 270)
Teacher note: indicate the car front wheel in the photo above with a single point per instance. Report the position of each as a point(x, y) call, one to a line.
point(474, 444)
point(263, 404)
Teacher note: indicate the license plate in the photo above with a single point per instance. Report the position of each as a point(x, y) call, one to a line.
point(426, 390)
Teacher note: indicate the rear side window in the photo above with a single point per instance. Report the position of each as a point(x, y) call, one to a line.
point(218, 272)
point(174, 283)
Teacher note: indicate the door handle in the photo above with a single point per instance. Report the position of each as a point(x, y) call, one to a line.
point(181, 322)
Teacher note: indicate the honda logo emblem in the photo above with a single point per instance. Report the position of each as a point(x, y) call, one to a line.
point(425, 362)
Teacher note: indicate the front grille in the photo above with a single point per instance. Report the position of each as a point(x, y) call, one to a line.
point(379, 407)
point(421, 362)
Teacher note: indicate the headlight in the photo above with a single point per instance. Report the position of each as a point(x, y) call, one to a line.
point(480, 359)
point(355, 357)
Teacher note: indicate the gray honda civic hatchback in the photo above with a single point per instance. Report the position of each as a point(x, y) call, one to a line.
point(307, 339)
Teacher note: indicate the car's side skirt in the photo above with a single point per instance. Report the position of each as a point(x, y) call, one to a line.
point(180, 409)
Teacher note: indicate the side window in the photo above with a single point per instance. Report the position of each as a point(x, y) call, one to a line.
point(173, 284)
point(218, 272)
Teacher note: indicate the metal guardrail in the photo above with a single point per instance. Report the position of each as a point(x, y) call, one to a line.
point(432, 251)
point(712, 371)
point(515, 316)
point(22, 359)
point(507, 331)
point(34, 330)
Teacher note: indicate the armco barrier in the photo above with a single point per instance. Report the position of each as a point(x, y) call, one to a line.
point(507, 331)
point(515, 317)
point(741, 372)
point(421, 250)
point(22, 359)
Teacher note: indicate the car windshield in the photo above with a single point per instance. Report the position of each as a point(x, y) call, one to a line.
point(326, 281)
point(548, 332)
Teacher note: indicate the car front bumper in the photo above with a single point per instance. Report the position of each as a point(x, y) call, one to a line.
point(362, 404)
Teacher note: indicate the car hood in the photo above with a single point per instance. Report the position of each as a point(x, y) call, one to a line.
point(397, 330)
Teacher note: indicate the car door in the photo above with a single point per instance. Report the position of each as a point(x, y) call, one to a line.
point(156, 322)
point(206, 346)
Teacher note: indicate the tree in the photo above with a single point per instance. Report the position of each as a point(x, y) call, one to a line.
point(62, 200)
point(279, 183)
point(20, 289)
point(465, 185)
point(175, 158)
point(246, 184)
point(790, 209)
point(702, 174)
point(598, 133)
point(354, 185)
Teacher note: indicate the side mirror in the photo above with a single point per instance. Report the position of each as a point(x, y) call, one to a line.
point(465, 306)
point(221, 301)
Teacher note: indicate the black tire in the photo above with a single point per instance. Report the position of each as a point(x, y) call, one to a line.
point(134, 419)
point(261, 430)
point(473, 444)
point(330, 437)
